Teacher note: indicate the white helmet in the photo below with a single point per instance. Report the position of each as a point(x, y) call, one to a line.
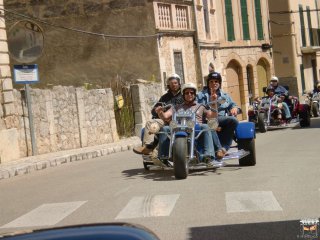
point(189, 86)
point(318, 85)
point(275, 79)
point(173, 76)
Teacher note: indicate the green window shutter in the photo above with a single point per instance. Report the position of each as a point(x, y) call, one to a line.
point(303, 84)
point(303, 30)
point(310, 26)
point(259, 19)
point(229, 18)
point(245, 22)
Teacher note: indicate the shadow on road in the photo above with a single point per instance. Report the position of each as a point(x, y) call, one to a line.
point(168, 175)
point(156, 175)
point(285, 230)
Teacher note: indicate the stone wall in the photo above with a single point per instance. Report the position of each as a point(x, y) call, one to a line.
point(64, 118)
point(144, 96)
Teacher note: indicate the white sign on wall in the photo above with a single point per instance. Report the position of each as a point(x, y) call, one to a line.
point(26, 74)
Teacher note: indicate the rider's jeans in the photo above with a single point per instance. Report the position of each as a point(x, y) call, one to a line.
point(204, 140)
point(215, 140)
point(286, 110)
point(228, 125)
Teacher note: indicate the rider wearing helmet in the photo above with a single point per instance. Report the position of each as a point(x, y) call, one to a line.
point(316, 93)
point(226, 111)
point(279, 90)
point(270, 91)
point(317, 89)
point(189, 92)
point(283, 93)
point(173, 96)
point(275, 102)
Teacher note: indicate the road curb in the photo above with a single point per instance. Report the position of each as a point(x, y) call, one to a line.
point(41, 162)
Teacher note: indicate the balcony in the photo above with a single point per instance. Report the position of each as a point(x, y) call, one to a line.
point(172, 16)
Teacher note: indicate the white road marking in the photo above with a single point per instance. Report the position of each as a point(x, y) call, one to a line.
point(251, 201)
point(149, 206)
point(45, 215)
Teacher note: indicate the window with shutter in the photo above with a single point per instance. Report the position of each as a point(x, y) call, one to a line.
point(259, 19)
point(245, 22)
point(310, 26)
point(303, 84)
point(303, 30)
point(206, 16)
point(178, 65)
point(229, 18)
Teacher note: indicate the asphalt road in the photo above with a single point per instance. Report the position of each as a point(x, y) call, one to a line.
point(266, 201)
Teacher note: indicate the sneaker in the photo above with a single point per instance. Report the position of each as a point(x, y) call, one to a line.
point(142, 150)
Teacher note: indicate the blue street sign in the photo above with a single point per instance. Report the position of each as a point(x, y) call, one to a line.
point(26, 74)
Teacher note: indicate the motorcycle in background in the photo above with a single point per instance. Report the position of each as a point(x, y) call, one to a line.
point(264, 120)
point(313, 100)
point(257, 116)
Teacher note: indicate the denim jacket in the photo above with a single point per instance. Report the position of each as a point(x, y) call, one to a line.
point(223, 109)
point(280, 90)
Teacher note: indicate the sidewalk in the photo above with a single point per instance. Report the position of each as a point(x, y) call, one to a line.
point(34, 163)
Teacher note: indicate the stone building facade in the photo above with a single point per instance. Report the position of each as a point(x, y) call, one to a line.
point(233, 39)
point(295, 27)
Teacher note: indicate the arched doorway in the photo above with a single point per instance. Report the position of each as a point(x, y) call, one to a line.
point(263, 77)
point(234, 77)
point(251, 85)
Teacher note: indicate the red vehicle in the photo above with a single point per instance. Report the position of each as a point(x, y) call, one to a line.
point(264, 118)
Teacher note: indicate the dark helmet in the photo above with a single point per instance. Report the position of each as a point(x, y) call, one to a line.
point(214, 75)
point(270, 88)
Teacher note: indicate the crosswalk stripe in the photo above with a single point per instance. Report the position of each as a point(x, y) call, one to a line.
point(251, 201)
point(149, 206)
point(45, 215)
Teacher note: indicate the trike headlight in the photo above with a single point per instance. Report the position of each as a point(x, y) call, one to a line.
point(213, 123)
point(190, 124)
point(173, 124)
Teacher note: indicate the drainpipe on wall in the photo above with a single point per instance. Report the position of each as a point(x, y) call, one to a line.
point(197, 40)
